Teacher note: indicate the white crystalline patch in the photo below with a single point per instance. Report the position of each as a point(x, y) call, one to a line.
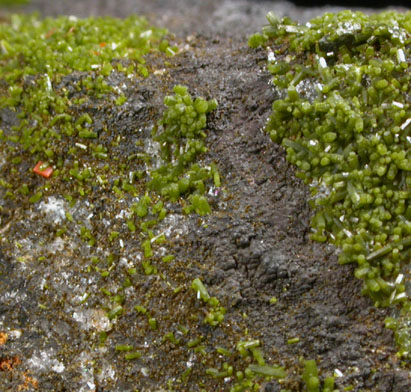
point(92, 319)
point(270, 55)
point(160, 72)
point(405, 124)
point(346, 67)
point(152, 148)
point(44, 361)
point(25, 250)
point(14, 334)
point(87, 382)
point(213, 191)
point(400, 56)
point(123, 262)
point(347, 233)
point(154, 239)
point(80, 317)
point(106, 222)
point(400, 296)
point(292, 29)
point(398, 104)
point(322, 62)
point(13, 297)
point(396, 32)
point(57, 245)
point(48, 82)
point(54, 209)
point(174, 225)
point(106, 372)
point(122, 214)
point(307, 88)
point(80, 145)
point(399, 279)
point(58, 368)
point(322, 189)
point(81, 212)
point(161, 251)
point(347, 28)
point(146, 34)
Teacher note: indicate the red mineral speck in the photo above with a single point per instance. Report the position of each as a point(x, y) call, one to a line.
point(43, 170)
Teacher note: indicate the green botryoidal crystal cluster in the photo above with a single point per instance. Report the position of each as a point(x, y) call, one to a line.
point(181, 135)
point(344, 118)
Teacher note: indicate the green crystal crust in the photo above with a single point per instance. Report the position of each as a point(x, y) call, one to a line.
point(36, 55)
point(181, 135)
point(58, 76)
point(344, 118)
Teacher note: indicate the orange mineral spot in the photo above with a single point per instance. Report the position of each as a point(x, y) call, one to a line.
point(28, 382)
point(7, 364)
point(42, 169)
point(3, 338)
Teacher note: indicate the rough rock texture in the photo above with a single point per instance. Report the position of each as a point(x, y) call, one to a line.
point(255, 245)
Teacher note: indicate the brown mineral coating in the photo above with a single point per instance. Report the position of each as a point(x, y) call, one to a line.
point(256, 244)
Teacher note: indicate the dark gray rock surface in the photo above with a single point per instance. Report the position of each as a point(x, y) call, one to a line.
point(254, 247)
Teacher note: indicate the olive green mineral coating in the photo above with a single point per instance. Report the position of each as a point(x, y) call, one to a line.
point(345, 122)
point(54, 124)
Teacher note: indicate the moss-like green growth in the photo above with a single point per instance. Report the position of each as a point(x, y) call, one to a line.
point(345, 122)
